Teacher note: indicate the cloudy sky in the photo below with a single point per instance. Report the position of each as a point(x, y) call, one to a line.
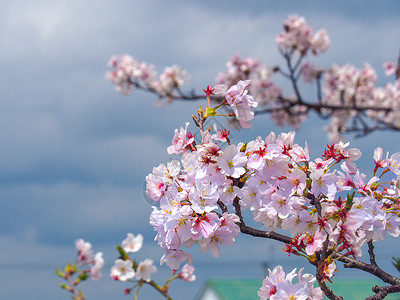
point(75, 152)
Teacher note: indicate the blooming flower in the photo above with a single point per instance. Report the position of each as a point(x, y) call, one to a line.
point(237, 97)
point(390, 68)
point(179, 141)
point(231, 162)
point(173, 258)
point(278, 286)
point(98, 264)
point(187, 273)
point(122, 270)
point(85, 253)
point(286, 290)
point(145, 269)
point(324, 183)
point(132, 243)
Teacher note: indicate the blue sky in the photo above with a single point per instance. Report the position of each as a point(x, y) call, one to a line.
point(75, 152)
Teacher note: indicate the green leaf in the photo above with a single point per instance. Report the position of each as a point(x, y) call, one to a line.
point(60, 273)
point(122, 253)
point(65, 286)
point(83, 276)
point(396, 263)
point(349, 200)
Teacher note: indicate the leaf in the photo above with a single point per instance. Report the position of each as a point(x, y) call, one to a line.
point(60, 273)
point(122, 253)
point(396, 263)
point(349, 200)
point(65, 286)
point(83, 276)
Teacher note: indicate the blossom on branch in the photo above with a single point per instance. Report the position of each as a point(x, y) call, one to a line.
point(278, 286)
point(122, 270)
point(187, 273)
point(275, 178)
point(297, 36)
point(132, 243)
point(145, 269)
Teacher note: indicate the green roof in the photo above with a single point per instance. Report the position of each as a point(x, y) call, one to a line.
point(357, 288)
point(246, 289)
point(237, 289)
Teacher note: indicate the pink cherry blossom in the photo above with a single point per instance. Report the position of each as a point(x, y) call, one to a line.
point(390, 68)
point(132, 243)
point(186, 273)
point(231, 162)
point(145, 269)
point(180, 141)
point(122, 270)
point(85, 252)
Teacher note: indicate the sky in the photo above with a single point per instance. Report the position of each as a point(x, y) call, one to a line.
point(75, 152)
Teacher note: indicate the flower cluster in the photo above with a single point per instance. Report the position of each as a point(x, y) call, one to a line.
point(348, 86)
point(85, 257)
point(86, 265)
point(279, 286)
point(126, 268)
point(349, 97)
point(261, 87)
point(391, 68)
point(126, 71)
point(298, 37)
point(275, 178)
point(238, 98)
point(129, 73)
point(188, 192)
point(309, 72)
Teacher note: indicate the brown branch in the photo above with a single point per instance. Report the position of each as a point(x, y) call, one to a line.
point(265, 234)
point(163, 291)
point(382, 291)
point(372, 269)
point(238, 210)
point(257, 232)
point(286, 105)
point(326, 289)
point(292, 76)
point(371, 253)
point(222, 206)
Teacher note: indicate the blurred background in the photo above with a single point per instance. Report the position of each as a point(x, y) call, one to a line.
point(75, 153)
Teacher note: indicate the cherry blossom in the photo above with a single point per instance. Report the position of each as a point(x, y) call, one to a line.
point(145, 269)
point(390, 68)
point(329, 207)
point(232, 161)
point(186, 273)
point(278, 285)
point(132, 243)
point(122, 270)
point(85, 253)
point(98, 264)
